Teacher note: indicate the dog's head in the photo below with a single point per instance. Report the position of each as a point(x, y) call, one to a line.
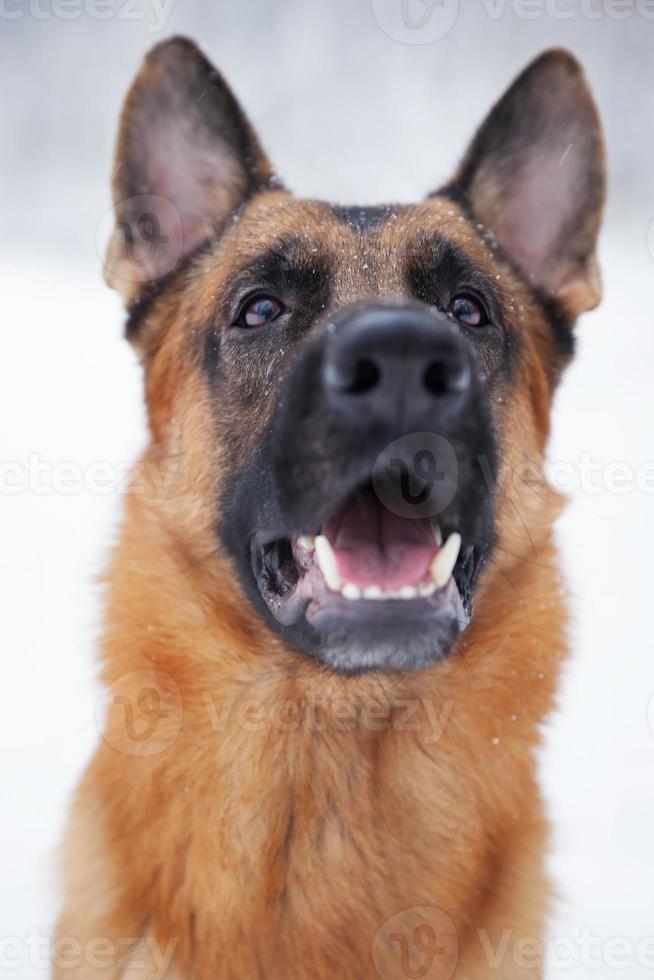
point(339, 392)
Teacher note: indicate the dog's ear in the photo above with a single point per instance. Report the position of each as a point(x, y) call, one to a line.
point(534, 176)
point(186, 158)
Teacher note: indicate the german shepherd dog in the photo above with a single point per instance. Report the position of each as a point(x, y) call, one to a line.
point(334, 620)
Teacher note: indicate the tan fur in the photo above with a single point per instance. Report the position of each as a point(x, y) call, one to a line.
point(252, 844)
point(280, 820)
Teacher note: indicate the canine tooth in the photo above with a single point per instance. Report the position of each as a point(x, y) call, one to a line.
point(427, 588)
point(327, 562)
point(373, 592)
point(437, 534)
point(307, 541)
point(351, 591)
point(444, 562)
point(408, 592)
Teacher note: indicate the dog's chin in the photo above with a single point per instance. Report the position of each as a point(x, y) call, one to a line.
point(370, 589)
point(385, 637)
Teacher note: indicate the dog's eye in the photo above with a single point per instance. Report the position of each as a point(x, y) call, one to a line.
point(259, 311)
point(467, 309)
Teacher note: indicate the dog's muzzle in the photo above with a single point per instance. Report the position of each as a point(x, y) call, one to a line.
point(381, 511)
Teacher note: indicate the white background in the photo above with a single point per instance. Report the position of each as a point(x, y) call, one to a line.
point(349, 113)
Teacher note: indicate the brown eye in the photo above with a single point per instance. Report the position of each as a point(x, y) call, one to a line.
point(260, 311)
point(466, 309)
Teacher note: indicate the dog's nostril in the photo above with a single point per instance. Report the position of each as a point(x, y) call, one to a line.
point(365, 376)
point(437, 378)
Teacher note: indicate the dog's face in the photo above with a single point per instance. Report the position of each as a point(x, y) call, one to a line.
point(348, 393)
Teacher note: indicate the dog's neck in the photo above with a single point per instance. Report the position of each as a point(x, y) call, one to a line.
point(270, 764)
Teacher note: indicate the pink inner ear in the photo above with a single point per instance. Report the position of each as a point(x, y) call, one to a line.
point(188, 155)
point(540, 208)
point(534, 176)
point(197, 174)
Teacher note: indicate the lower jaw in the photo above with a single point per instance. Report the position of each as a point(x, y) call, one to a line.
point(364, 635)
point(332, 606)
point(388, 640)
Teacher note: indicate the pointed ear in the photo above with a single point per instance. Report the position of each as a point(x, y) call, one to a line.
point(534, 176)
point(186, 158)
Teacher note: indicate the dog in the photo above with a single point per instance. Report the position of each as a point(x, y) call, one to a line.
point(334, 621)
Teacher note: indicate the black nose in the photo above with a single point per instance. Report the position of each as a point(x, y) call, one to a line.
point(396, 363)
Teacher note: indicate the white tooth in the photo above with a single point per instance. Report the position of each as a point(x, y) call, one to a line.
point(327, 562)
point(445, 560)
point(427, 588)
point(307, 541)
point(437, 534)
point(373, 592)
point(351, 591)
point(408, 592)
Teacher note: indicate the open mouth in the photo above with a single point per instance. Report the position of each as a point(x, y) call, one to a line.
point(367, 561)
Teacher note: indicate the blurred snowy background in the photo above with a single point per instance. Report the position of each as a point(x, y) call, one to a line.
point(350, 107)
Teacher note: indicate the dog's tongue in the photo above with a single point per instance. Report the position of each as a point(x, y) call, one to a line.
point(374, 546)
